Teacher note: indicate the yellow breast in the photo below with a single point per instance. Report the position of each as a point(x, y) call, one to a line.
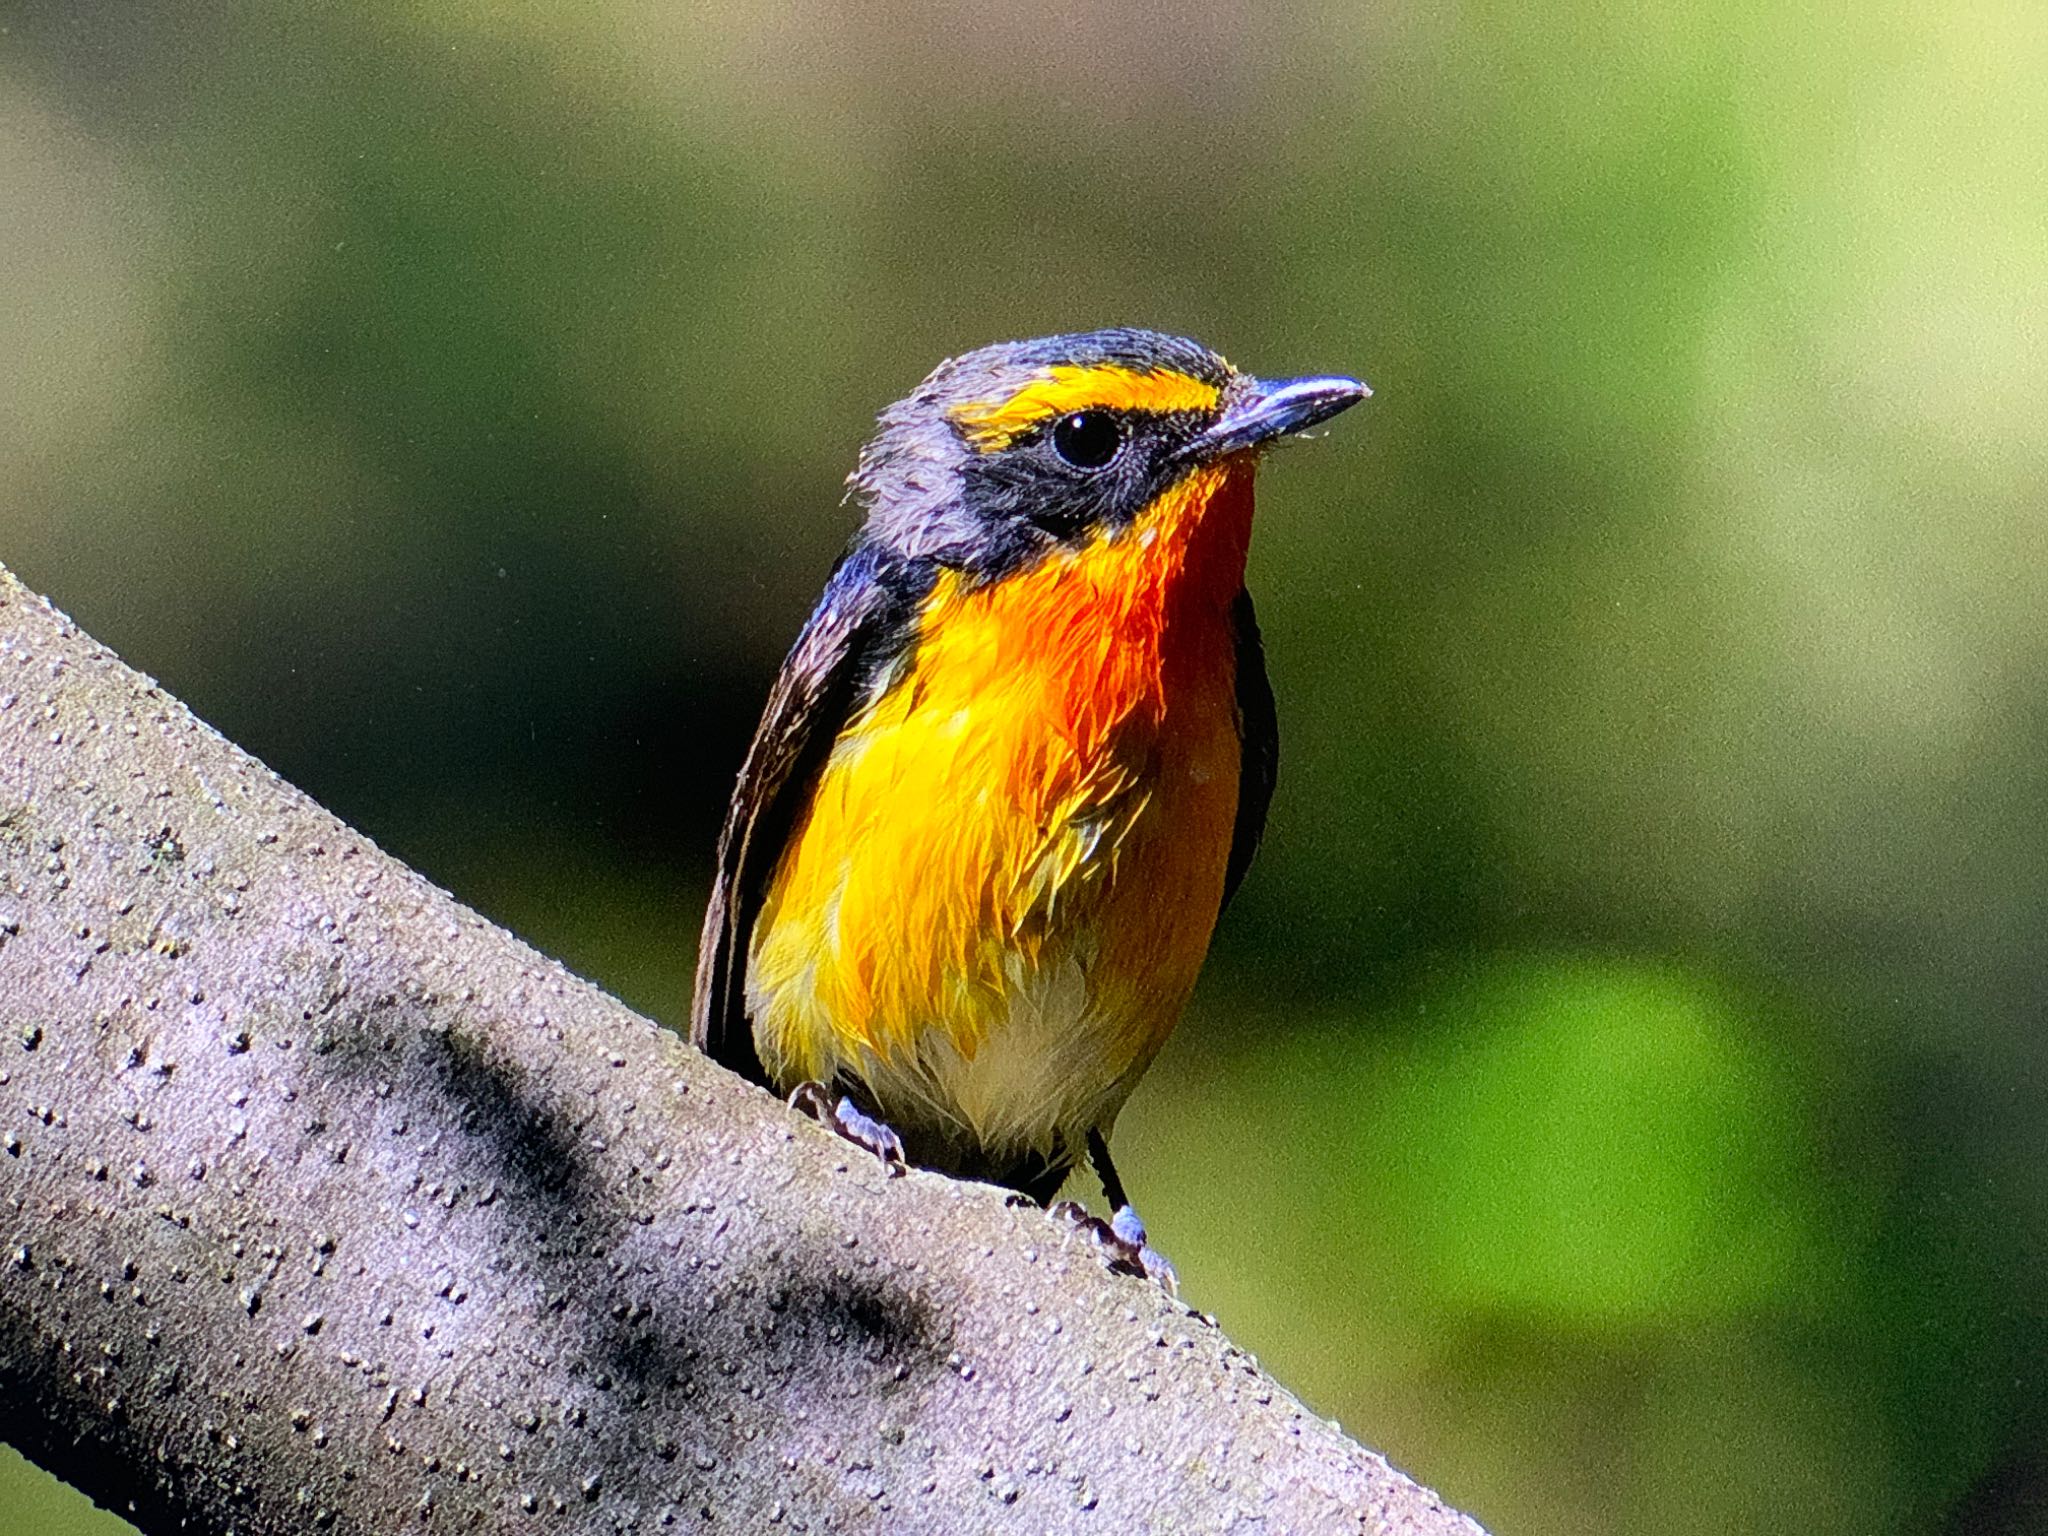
point(996, 904)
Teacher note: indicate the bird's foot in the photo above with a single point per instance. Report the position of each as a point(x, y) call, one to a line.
point(1122, 1242)
point(1131, 1231)
point(846, 1119)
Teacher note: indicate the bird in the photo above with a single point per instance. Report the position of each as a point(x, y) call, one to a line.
point(1014, 767)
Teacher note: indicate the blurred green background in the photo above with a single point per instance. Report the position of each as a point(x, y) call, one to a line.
point(1619, 1091)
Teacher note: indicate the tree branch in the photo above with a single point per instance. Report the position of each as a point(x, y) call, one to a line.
point(328, 1206)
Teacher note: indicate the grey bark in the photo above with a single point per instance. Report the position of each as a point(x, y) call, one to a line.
point(325, 1205)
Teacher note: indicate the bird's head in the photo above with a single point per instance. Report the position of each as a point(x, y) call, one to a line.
point(1003, 455)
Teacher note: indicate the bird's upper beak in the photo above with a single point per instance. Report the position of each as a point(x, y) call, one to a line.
point(1274, 408)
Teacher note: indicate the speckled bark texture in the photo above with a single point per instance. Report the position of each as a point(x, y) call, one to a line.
point(327, 1206)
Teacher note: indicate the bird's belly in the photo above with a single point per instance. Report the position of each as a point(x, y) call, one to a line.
point(994, 933)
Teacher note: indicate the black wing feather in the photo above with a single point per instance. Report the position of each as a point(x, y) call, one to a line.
point(860, 624)
point(1258, 724)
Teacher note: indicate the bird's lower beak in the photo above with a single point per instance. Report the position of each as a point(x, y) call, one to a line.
point(1275, 409)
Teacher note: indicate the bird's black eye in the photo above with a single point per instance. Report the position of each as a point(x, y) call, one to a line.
point(1088, 439)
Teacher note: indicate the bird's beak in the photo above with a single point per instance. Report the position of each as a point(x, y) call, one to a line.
point(1274, 409)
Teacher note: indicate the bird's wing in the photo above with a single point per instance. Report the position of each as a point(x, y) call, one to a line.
point(858, 627)
point(1258, 725)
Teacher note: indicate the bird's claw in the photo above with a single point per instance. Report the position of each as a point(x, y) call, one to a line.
point(845, 1119)
point(1131, 1232)
point(1122, 1242)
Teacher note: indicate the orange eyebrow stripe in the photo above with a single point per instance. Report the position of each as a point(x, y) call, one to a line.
point(993, 424)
